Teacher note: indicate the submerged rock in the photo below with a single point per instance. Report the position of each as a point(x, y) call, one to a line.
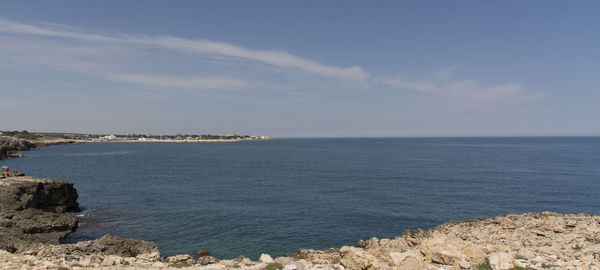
point(202, 252)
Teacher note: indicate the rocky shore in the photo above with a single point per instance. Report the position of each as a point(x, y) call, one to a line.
point(35, 214)
point(12, 147)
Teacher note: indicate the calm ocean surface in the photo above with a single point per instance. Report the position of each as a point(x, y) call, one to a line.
point(246, 198)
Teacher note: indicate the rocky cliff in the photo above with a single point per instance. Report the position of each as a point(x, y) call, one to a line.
point(35, 214)
point(12, 147)
point(34, 211)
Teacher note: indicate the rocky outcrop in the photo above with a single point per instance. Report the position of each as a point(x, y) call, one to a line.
point(515, 241)
point(12, 147)
point(534, 240)
point(52, 195)
point(35, 211)
point(105, 246)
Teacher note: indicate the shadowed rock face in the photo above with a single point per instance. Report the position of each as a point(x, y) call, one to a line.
point(104, 246)
point(12, 147)
point(34, 211)
point(51, 195)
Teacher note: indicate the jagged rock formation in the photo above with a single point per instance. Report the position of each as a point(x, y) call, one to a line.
point(34, 211)
point(12, 147)
point(531, 241)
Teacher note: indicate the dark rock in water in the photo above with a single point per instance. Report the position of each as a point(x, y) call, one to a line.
point(202, 252)
point(34, 211)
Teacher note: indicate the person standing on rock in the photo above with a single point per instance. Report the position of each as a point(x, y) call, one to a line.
point(4, 171)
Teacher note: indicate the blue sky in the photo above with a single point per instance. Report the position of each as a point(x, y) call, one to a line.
point(301, 69)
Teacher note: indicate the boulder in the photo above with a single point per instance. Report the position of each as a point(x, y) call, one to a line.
point(205, 260)
point(410, 259)
point(354, 258)
point(184, 258)
point(265, 258)
point(441, 250)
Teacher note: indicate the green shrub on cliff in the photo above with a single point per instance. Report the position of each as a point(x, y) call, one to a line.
point(521, 268)
point(273, 266)
point(485, 266)
point(180, 265)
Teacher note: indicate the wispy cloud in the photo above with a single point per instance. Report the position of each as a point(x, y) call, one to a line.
point(403, 83)
point(205, 47)
point(442, 97)
point(191, 82)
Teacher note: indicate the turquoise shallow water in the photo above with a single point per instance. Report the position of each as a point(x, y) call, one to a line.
point(246, 198)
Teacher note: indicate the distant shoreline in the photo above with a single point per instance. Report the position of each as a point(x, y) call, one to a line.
point(175, 141)
point(12, 147)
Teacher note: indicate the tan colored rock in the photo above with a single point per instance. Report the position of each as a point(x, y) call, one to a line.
point(111, 260)
point(411, 263)
point(206, 260)
point(501, 261)
point(398, 257)
point(228, 263)
point(473, 252)
point(183, 258)
point(354, 258)
point(441, 250)
point(265, 258)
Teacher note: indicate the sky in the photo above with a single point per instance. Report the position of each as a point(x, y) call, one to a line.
point(302, 68)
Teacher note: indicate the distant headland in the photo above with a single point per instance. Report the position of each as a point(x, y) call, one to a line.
point(13, 142)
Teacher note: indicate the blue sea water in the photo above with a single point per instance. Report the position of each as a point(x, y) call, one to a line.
point(246, 198)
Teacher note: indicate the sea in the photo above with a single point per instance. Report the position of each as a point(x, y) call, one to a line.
point(252, 197)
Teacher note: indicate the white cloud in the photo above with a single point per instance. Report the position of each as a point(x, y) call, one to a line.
point(442, 96)
point(401, 82)
point(272, 57)
point(190, 82)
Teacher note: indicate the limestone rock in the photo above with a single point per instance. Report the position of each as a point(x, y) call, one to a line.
point(184, 258)
point(265, 258)
point(206, 260)
point(442, 250)
point(356, 258)
point(501, 261)
point(410, 259)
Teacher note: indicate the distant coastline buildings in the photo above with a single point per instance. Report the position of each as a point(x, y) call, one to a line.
point(84, 137)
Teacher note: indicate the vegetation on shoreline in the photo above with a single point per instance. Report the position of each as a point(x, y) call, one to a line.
point(34, 136)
